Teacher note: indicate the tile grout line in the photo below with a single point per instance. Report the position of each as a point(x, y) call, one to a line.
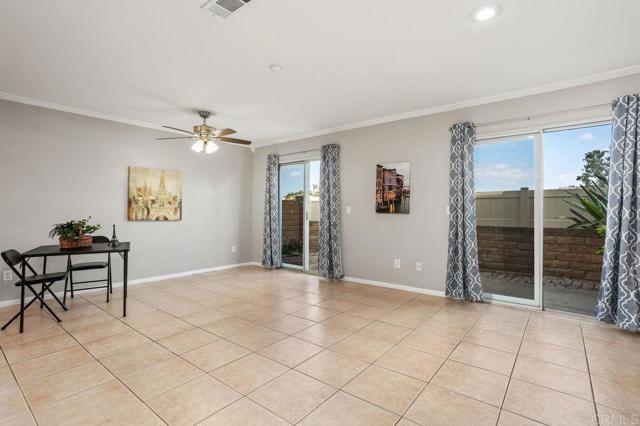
point(536, 384)
point(110, 372)
point(440, 308)
point(530, 357)
point(513, 367)
point(342, 389)
point(24, 397)
point(159, 344)
point(299, 372)
point(204, 371)
point(552, 363)
point(207, 373)
point(355, 297)
point(440, 367)
point(427, 382)
point(400, 416)
point(82, 346)
point(586, 356)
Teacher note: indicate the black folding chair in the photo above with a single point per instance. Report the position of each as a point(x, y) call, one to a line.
point(13, 258)
point(89, 266)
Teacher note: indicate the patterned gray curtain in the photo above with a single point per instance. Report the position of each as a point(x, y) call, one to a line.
point(330, 240)
point(463, 274)
point(619, 300)
point(272, 248)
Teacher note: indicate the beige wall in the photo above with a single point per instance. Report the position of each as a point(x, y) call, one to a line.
point(372, 241)
point(56, 166)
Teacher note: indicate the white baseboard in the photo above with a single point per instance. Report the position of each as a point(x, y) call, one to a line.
point(395, 286)
point(10, 302)
point(384, 284)
point(437, 293)
point(182, 274)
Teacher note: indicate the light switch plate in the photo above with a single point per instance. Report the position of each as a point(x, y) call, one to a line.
point(396, 263)
point(349, 210)
point(418, 266)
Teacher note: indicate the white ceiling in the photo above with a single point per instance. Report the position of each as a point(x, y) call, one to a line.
point(155, 61)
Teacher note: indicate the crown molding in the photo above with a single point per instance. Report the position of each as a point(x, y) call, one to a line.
point(88, 113)
point(515, 94)
point(80, 111)
point(595, 78)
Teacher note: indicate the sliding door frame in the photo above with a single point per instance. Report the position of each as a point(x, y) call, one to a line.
point(538, 131)
point(305, 211)
point(575, 125)
point(538, 217)
point(305, 218)
point(290, 265)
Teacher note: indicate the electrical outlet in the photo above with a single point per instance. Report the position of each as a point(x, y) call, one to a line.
point(233, 249)
point(7, 275)
point(396, 263)
point(348, 210)
point(418, 266)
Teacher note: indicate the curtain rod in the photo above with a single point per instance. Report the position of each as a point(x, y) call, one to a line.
point(541, 115)
point(300, 152)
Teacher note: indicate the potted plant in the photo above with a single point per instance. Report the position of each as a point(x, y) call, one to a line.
point(74, 234)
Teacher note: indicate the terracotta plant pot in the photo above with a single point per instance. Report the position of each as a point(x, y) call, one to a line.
point(84, 241)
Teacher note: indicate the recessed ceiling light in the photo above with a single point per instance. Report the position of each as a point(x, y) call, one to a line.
point(486, 12)
point(275, 67)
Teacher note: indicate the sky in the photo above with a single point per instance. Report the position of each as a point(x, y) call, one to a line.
point(508, 165)
point(292, 177)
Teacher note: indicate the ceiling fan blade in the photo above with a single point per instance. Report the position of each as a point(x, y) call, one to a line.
point(180, 130)
point(234, 140)
point(180, 137)
point(223, 132)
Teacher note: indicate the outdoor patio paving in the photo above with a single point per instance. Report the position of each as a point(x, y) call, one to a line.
point(562, 294)
point(296, 259)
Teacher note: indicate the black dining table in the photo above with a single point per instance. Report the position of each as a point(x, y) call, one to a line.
point(44, 252)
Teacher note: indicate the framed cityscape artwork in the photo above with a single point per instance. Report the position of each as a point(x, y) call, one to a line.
point(393, 188)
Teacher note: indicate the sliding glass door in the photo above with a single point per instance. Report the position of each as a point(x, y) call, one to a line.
point(506, 197)
point(313, 214)
point(291, 214)
point(541, 214)
point(300, 214)
point(576, 165)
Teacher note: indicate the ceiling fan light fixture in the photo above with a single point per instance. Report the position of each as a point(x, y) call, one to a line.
point(203, 136)
point(211, 147)
point(198, 146)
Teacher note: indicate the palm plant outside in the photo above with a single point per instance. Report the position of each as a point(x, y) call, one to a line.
point(589, 208)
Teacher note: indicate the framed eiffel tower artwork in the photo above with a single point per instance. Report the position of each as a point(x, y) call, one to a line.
point(154, 195)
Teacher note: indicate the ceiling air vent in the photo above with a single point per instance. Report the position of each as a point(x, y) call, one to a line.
point(224, 8)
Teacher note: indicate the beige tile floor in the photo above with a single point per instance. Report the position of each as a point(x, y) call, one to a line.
point(253, 347)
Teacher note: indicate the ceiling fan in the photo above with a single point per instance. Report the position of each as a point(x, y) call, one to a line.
point(205, 137)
